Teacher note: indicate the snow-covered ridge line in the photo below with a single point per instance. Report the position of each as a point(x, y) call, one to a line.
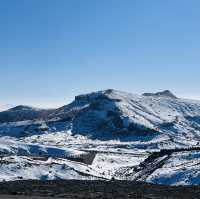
point(111, 113)
point(120, 129)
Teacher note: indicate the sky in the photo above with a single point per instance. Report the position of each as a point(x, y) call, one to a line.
point(52, 50)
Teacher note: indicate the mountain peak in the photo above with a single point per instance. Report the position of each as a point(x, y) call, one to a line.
point(165, 93)
point(21, 108)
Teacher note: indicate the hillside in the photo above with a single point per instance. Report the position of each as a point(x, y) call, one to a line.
point(102, 135)
point(23, 113)
point(111, 113)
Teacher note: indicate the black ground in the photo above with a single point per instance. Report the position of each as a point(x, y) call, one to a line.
point(72, 189)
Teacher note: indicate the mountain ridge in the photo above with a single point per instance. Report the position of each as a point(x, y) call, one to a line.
point(165, 93)
point(112, 113)
point(151, 138)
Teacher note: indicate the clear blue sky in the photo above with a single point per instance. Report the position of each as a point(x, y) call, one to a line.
point(51, 50)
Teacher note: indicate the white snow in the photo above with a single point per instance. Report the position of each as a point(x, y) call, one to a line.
point(175, 121)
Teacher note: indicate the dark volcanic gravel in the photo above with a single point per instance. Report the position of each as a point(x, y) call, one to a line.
point(75, 189)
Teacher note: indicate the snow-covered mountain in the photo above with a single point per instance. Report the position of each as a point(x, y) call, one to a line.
point(23, 113)
point(114, 114)
point(165, 93)
point(123, 130)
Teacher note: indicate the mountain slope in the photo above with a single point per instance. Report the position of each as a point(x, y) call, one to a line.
point(111, 113)
point(123, 131)
point(22, 113)
point(165, 93)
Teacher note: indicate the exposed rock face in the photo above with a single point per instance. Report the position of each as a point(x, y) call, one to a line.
point(100, 115)
point(104, 116)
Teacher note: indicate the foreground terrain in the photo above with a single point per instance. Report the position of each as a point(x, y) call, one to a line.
point(72, 189)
